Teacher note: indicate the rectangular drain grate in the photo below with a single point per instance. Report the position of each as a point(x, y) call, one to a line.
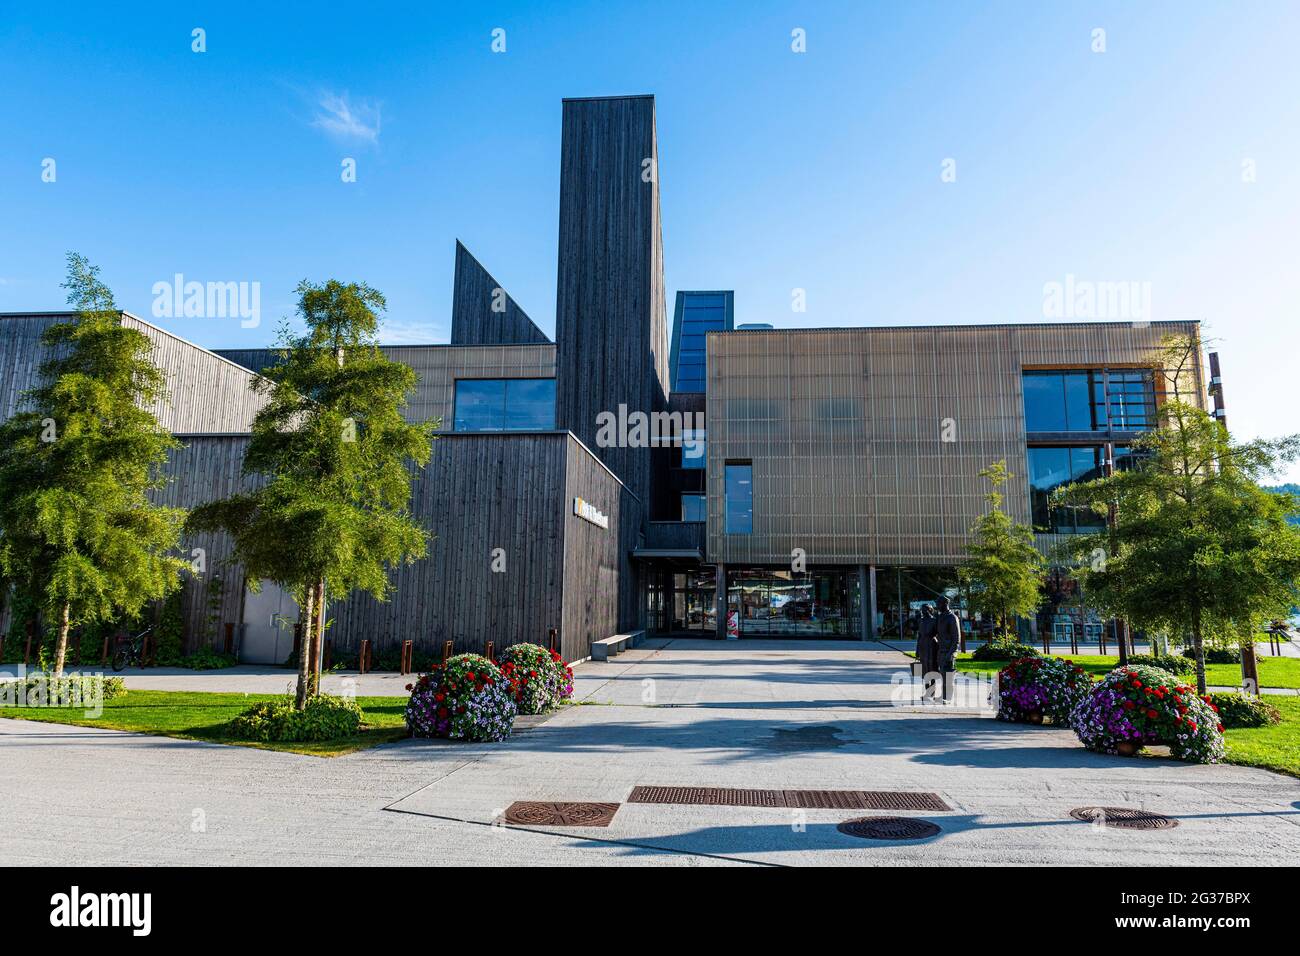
point(790, 799)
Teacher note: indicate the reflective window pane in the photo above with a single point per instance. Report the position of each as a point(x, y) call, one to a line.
point(693, 508)
point(1078, 402)
point(739, 481)
point(480, 405)
point(530, 404)
point(513, 404)
point(1044, 402)
point(693, 448)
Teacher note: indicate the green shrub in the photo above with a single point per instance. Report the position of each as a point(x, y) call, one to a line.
point(169, 630)
point(37, 687)
point(1238, 710)
point(1215, 655)
point(325, 718)
point(1003, 651)
point(1174, 663)
point(206, 659)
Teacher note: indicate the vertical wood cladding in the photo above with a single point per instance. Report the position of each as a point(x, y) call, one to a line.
point(479, 492)
point(205, 393)
point(438, 367)
point(208, 398)
point(610, 323)
point(600, 597)
point(845, 431)
point(513, 492)
point(473, 319)
point(206, 469)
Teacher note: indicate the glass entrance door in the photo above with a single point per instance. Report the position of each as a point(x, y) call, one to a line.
point(694, 602)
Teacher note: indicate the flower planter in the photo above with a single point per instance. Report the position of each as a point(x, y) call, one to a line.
point(1140, 705)
point(1039, 690)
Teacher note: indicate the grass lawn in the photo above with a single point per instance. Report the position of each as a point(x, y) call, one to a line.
point(1273, 671)
point(201, 716)
point(1273, 748)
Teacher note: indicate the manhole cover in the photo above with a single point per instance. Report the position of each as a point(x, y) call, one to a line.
point(889, 828)
point(1123, 818)
point(792, 799)
point(530, 814)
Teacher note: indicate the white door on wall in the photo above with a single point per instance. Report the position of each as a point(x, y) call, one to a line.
point(269, 617)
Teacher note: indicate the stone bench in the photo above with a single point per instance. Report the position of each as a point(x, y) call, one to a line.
point(606, 648)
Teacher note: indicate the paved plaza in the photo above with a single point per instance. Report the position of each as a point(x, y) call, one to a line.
point(778, 715)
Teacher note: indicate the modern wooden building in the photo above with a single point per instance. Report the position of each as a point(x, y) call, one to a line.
point(811, 473)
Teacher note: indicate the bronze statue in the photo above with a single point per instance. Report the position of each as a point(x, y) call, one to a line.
point(948, 640)
point(927, 651)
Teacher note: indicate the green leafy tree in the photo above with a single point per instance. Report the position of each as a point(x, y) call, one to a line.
point(1004, 572)
point(77, 530)
point(1196, 546)
point(332, 456)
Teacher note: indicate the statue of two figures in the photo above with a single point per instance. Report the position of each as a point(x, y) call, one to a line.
point(938, 637)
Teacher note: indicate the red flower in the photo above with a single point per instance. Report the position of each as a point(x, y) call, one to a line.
point(1137, 684)
point(410, 686)
point(1129, 705)
point(442, 711)
point(1220, 726)
point(1152, 714)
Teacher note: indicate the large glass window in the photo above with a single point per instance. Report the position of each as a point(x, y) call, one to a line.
point(694, 508)
point(1087, 400)
point(1129, 400)
point(813, 604)
point(1049, 469)
point(504, 404)
point(739, 498)
point(701, 314)
point(1058, 402)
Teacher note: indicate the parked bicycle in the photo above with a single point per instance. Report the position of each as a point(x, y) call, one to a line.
point(130, 651)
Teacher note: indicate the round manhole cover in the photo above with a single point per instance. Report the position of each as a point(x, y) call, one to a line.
point(1123, 818)
point(530, 813)
point(889, 828)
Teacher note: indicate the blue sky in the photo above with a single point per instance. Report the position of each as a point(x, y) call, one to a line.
point(779, 170)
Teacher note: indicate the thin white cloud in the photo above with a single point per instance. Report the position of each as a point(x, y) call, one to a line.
point(339, 116)
point(408, 333)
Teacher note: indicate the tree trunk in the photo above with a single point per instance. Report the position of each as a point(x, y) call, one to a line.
point(304, 649)
point(61, 645)
point(1198, 644)
point(317, 642)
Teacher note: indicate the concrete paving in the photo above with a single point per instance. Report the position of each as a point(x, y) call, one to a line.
point(764, 714)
